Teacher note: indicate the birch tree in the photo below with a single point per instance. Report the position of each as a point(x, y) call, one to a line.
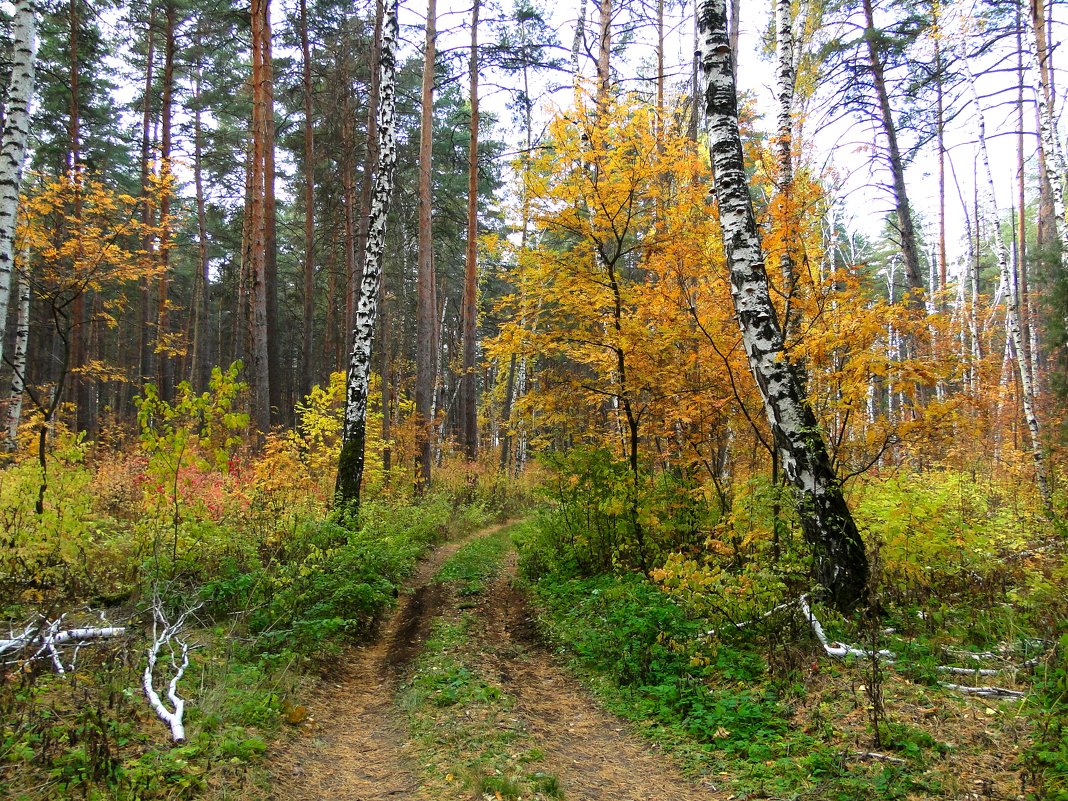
point(22, 339)
point(841, 564)
point(1012, 305)
point(354, 432)
point(13, 143)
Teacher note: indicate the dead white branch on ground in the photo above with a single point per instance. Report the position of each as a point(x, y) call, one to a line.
point(838, 650)
point(48, 635)
point(878, 757)
point(168, 637)
point(985, 692)
point(975, 671)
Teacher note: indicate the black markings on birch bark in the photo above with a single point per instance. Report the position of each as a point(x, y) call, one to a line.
point(354, 432)
point(841, 564)
point(13, 142)
point(18, 362)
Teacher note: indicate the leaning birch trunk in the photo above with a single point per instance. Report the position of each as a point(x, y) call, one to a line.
point(1012, 316)
point(1048, 139)
point(791, 321)
point(13, 143)
point(354, 435)
point(22, 339)
point(841, 564)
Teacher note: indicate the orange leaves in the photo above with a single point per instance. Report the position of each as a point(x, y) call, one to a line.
point(87, 237)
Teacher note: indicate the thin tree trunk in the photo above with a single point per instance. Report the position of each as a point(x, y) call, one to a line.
point(145, 343)
point(940, 127)
point(426, 317)
point(13, 145)
point(909, 248)
point(577, 45)
point(1048, 140)
point(354, 435)
point(165, 359)
point(468, 383)
point(1012, 316)
point(79, 383)
point(198, 370)
point(270, 224)
point(841, 564)
point(258, 327)
point(308, 332)
point(1021, 230)
point(660, 77)
point(734, 31)
point(604, 52)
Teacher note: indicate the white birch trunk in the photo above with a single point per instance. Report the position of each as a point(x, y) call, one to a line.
point(841, 564)
point(13, 142)
point(22, 340)
point(1012, 315)
point(1048, 139)
point(354, 433)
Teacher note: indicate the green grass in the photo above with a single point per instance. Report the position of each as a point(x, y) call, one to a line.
point(715, 705)
point(475, 563)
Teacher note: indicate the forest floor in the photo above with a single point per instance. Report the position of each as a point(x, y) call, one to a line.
point(458, 697)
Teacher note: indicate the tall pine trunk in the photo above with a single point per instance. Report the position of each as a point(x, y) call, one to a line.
point(307, 372)
point(426, 309)
point(165, 359)
point(259, 373)
point(469, 409)
point(841, 564)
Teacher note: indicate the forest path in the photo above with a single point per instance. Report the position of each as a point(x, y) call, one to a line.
point(354, 742)
point(355, 746)
point(594, 754)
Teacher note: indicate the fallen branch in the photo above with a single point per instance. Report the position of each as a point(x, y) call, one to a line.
point(976, 671)
point(838, 650)
point(878, 757)
point(48, 636)
point(985, 692)
point(168, 637)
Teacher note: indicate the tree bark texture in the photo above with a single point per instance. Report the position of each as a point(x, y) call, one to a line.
point(841, 564)
point(259, 374)
point(307, 343)
point(354, 434)
point(13, 142)
point(22, 340)
point(426, 312)
point(470, 306)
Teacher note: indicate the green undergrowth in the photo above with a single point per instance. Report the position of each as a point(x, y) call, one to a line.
point(715, 705)
point(458, 711)
point(273, 608)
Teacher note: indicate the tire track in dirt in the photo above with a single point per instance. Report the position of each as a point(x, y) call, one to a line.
point(592, 753)
point(353, 746)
